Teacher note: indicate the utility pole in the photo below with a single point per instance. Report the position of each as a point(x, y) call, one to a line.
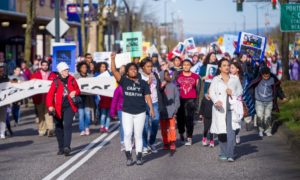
point(285, 50)
point(56, 13)
point(244, 23)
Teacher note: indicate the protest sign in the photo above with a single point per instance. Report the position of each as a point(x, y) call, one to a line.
point(133, 43)
point(123, 59)
point(145, 48)
point(211, 71)
point(196, 67)
point(252, 45)
point(179, 49)
point(190, 45)
point(229, 43)
point(13, 92)
point(64, 52)
point(153, 50)
point(101, 56)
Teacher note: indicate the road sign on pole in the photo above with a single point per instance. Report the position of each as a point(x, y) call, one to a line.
point(63, 27)
point(290, 17)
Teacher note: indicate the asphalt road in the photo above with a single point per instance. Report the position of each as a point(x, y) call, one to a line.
point(98, 156)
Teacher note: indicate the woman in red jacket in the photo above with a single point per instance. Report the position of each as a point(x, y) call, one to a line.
point(61, 103)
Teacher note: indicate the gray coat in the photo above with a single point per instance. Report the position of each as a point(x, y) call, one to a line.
point(171, 101)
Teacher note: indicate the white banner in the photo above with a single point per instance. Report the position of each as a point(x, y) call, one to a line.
point(13, 92)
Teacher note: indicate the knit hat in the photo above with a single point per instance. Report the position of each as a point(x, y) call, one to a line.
point(62, 66)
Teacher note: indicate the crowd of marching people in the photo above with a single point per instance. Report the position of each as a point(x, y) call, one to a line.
point(169, 92)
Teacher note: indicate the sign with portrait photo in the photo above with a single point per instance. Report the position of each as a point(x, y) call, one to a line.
point(211, 71)
point(64, 52)
point(190, 45)
point(179, 49)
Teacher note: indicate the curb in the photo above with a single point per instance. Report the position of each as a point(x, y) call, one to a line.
point(291, 139)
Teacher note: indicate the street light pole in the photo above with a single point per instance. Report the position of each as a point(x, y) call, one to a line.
point(244, 23)
point(56, 12)
point(257, 31)
point(129, 16)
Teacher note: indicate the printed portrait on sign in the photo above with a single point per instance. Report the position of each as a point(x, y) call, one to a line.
point(63, 56)
point(211, 72)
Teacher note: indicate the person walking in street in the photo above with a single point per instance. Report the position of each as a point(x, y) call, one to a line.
point(104, 103)
point(295, 69)
point(136, 93)
point(85, 108)
point(170, 102)
point(236, 70)
point(62, 101)
point(266, 90)
point(211, 58)
point(177, 68)
point(206, 113)
point(249, 73)
point(117, 107)
point(3, 109)
point(17, 77)
point(151, 124)
point(275, 66)
point(224, 88)
point(187, 82)
point(45, 121)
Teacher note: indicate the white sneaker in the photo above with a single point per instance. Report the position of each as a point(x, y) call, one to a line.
point(153, 148)
point(82, 133)
point(269, 134)
point(261, 134)
point(2, 136)
point(188, 142)
point(145, 150)
point(122, 147)
point(237, 139)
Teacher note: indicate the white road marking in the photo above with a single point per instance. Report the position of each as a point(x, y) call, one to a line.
point(78, 155)
point(88, 156)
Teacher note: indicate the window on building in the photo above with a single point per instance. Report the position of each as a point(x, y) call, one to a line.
point(42, 2)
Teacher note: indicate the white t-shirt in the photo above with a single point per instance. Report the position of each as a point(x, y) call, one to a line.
point(152, 86)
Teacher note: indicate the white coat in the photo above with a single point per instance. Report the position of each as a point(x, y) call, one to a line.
point(217, 92)
point(236, 106)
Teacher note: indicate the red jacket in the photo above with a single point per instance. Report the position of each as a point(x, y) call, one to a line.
point(55, 96)
point(41, 98)
point(105, 102)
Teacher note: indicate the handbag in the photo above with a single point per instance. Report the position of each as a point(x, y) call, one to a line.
point(76, 99)
point(245, 109)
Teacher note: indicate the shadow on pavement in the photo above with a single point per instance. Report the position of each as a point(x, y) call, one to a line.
point(250, 137)
point(26, 132)
point(15, 144)
point(245, 149)
point(276, 125)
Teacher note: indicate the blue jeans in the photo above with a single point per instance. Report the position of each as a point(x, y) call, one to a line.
point(263, 113)
point(105, 118)
point(151, 125)
point(84, 118)
point(15, 110)
point(121, 127)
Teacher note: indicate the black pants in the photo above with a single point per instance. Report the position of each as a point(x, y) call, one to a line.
point(207, 125)
point(63, 128)
point(185, 117)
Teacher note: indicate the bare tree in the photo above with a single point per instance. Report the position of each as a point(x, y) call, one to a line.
point(31, 12)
